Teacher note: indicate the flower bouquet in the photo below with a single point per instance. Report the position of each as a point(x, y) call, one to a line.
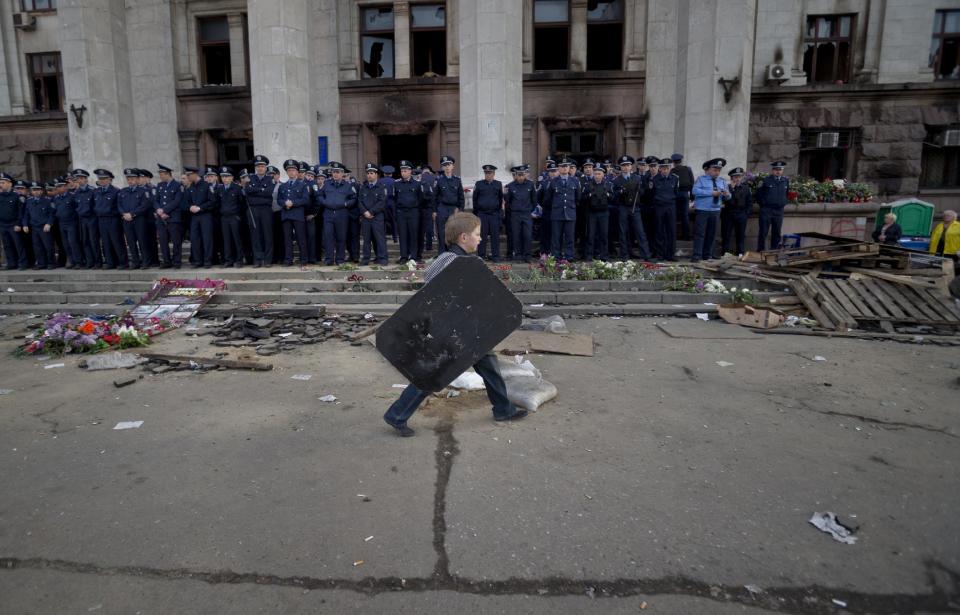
point(65, 334)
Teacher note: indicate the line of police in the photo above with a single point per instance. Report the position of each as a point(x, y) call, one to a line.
point(630, 209)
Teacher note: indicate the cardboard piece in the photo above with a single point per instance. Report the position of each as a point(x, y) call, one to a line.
point(449, 324)
point(751, 316)
point(542, 341)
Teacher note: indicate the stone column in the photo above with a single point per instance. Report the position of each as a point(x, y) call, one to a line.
point(150, 37)
point(14, 102)
point(96, 75)
point(491, 87)
point(662, 85)
point(635, 21)
point(280, 79)
point(578, 35)
point(238, 56)
point(324, 77)
point(401, 39)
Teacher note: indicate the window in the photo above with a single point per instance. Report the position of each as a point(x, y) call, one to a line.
point(236, 154)
point(940, 160)
point(605, 35)
point(47, 79)
point(551, 35)
point(945, 45)
point(428, 39)
point(35, 6)
point(828, 48)
point(47, 165)
point(214, 51)
point(824, 153)
point(576, 144)
point(376, 42)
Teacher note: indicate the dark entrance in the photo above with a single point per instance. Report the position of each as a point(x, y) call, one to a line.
point(394, 148)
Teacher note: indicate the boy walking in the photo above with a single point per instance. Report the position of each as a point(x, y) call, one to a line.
point(462, 236)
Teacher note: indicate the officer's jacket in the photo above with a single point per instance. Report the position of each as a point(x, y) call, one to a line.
point(521, 197)
point(202, 195)
point(37, 211)
point(259, 191)
point(231, 199)
point(407, 193)
point(772, 193)
point(132, 200)
point(84, 199)
point(665, 188)
point(629, 190)
point(338, 195)
point(105, 202)
point(11, 208)
point(449, 191)
point(372, 198)
point(598, 196)
point(65, 208)
point(297, 192)
point(487, 196)
point(564, 196)
point(170, 199)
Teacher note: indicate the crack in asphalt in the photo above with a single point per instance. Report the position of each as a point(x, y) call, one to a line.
point(54, 425)
point(866, 419)
point(447, 450)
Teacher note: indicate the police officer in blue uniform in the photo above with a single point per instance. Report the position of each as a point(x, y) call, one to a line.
point(108, 220)
point(585, 177)
point(408, 194)
point(664, 187)
point(338, 198)
point(772, 197)
point(449, 199)
point(736, 210)
point(201, 202)
point(685, 186)
point(37, 222)
point(310, 213)
point(390, 213)
point(545, 201)
point(428, 211)
point(372, 205)
point(598, 193)
point(709, 192)
point(68, 221)
point(630, 192)
point(647, 171)
point(230, 196)
point(521, 199)
point(133, 208)
point(259, 193)
point(293, 196)
point(145, 179)
point(488, 206)
point(11, 214)
point(168, 213)
point(564, 196)
point(83, 197)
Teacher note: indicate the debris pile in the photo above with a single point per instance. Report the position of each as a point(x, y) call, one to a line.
point(273, 334)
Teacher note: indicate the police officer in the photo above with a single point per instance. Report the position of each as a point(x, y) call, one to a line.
point(408, 195)
point(11, 214)
point(65, 211)
point(521, 198)
point(428, 210)
point(736, 210)
point(598, 193)
point(108, 220)
point(37, 222)
point(372, 204)
point(664, 188)
point(310, 212)
point(685, 182)
point(135, 206)
point(201, 201)
point(772, 197)
point(545, 202)
point(390, 213)
point(338, 197)
point(259, 193)
point(293, 196)
point(488, 206)
point(83, 198)
point(230, 196)
point(630, 192)
point(564, 196)
point(449, 199)
point(709, 192)
point(145, 179)
point(647, 169)
point(168, 213)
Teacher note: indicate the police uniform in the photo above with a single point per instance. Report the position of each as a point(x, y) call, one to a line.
point(733, 217)
point(597, 197)
point(390, 213)
point(109, 223)
point(449, 199)
point(259, 195)
point(11, 214)
point(646, 211)
point(408, 195)
point(707, 209)
point(772, 197)
point(521, 198)
point(337, 199)
point(372, 205)
point(131, 203)
point(83, 198)
point(684, 186)
point(168, 212)
point(149, 251)
point(663, 200)
point(38, 218)
point(564, 196)
point(203, 196)
point(630, 192)
point(65, 212)
point(585, 177)
point(231, 213)
point(545, 202)
point(428, 210)
point(488, 206)
point(293, 196)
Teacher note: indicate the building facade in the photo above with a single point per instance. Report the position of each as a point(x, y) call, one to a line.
point(866, 90)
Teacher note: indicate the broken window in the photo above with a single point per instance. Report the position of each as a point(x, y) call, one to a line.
point(824, 153)
point(376, 42)
point(47, 165)
point(576, 144)
point(551, 35)
point(428, 39)
point(945, 45)
point(214, 50)
point(605, 35)
point(47, 79)
point(940, 160)
point(34, 6)
point(828, 48)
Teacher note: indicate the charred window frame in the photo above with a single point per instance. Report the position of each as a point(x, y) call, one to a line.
point(940, 158)
point(47, 165)
point(38, 6)
point(428, 39)
point(577, 144)
point(376, 42)
point(213, 38)
point(605, 34)
point(825, 153)
point(46, 75)
point(828, 48)
point(235, 154)
point(945, 45)
point(551, 35)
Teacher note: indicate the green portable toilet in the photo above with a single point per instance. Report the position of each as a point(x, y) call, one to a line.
point(914, 216)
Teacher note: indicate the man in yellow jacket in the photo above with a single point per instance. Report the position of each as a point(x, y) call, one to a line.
point(945, 240)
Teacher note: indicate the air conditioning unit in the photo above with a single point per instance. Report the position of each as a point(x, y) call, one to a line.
point(24, 21)
point(777, 73)
point(951, 138)
point(828, 139)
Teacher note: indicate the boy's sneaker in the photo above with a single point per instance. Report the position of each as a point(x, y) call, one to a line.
point(402, 429)
point(516, 416)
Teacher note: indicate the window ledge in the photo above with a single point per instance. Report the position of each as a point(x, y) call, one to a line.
point(593, 75)
point(214, 90)
point(393, 82)
point(40, 116)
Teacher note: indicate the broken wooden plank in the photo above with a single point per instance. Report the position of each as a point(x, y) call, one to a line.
point(832, 287)
point(800, 289)
point(228, 363)
point(844, 287)
point(901, 337)
point(877, 310)
point(841, 318)
point(890, 277)
point(543, 341)
point(878, 291)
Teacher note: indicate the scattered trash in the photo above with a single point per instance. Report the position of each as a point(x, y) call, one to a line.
point(751, 316)
point(703, 316)
point(10, 290)
point(724, 363)
point(819, 358)
point(288, 334)
point(643, 606)
point(399, 386)
point(368, 539)
point(127, 301)
point(525, 384)
point(53, 365)
point(368, 316)
point(839, 603)
point(126, 382)
point(827, 522)
point(359, 562)
point(113, 360)
point(536, 305)
point(616, 317)
point(301, 377)
point(753, 589)
point(128, 425)
point(453, 393)
point(328, 398)
point(552, 324)
point(6, 391)
point(468, 381)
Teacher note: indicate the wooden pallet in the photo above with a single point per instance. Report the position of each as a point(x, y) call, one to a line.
point(845, 304)
point(820, 254)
